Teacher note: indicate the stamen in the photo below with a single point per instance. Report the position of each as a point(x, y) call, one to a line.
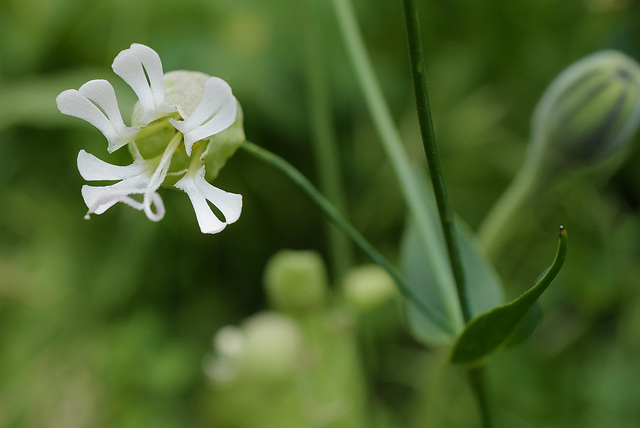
point(150, 196)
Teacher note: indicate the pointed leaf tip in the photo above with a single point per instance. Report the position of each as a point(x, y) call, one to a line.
point(491, 330)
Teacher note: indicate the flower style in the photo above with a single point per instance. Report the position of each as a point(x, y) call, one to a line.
point(175, 134)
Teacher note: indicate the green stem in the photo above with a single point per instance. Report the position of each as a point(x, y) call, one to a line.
point(324, 139)
point(503, 217)
point(392, 144)
point(416, 56)
point(477, 380)
point(328, 210)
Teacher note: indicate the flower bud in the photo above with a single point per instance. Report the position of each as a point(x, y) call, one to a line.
point(367, 287)
point(273, 347)
point(267, 348)
point(589, 111)
point(296, 281)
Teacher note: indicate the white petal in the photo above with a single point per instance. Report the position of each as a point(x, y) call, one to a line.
point(199, 191)
point(129, 64)
point(100, 198)
point(134, 180)
point(153, 200)
point(101, 92)
point(91, 168)
point(79, 104)
point(153, 65)
point(229, 204)
point(217, 101)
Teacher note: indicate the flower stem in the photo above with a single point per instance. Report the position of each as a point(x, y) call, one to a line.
point(326, 152)
point(416, 55)
point(425, 121)
point(503, 217)
point(476, 376)
point(329, 210)
point(394, 149)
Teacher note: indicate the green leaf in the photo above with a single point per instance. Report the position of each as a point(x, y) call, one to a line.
point(493, 329)
point(428, 275)
point(526, 327)
point(444, 324)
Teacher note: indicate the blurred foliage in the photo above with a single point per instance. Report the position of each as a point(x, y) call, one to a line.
point(106, 323)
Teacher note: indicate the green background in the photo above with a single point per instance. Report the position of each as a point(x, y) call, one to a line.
point(106, 323)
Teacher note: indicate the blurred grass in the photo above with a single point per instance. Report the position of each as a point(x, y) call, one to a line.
point(106, 322)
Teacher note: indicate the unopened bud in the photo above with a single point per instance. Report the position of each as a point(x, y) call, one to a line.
point(589, 111)
point(296, 281)
point(265, 349)
point(272, 347)
point(367, 287)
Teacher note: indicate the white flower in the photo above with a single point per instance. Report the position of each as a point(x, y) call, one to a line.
point(137, 184)
point(200, 191)
point(133, 180)
point(80, 104)
point(216, 112)
point(130, 65)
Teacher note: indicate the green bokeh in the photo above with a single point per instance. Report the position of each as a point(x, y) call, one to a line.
point(105, 323)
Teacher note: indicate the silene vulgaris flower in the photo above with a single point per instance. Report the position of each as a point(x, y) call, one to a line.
point(184, 127)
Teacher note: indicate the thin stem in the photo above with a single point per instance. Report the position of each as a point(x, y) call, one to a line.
point(502, 219)
point(328, 210)
point(323, 137)
point(416, 55)
point(431, 151)
point(477, 380)
point(394, 149)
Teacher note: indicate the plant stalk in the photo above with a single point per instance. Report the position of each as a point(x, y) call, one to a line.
point(416, 54)
point(329, 210)
point(324, 141)
point(425, 121)
point(503, 218)
point(395, 153)
point(477, 381)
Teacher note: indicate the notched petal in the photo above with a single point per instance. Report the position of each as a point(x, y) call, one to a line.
point(96, 103)
point(216, 112)
point(93, 169)
point(141, 67)
point(200, 191)
point(132, 179)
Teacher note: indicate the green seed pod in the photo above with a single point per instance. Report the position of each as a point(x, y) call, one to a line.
point(590, 111)
point(272, 347)
point(266, 349)
point(296, 281)
point(367, 287)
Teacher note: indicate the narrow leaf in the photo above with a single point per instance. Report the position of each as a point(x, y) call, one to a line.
point(431, 281)
point(491, 330)
point(483, 287)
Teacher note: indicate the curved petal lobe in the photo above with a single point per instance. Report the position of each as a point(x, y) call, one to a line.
point(216, 112)
point(134, 65)
point(200, 191)
point(92, 169)
point(96, 103)
point(133, 179)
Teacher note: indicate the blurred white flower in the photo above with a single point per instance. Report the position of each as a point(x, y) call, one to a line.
point(203, 108)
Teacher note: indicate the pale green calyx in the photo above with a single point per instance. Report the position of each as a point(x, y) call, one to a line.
point(589, 111)
point(367, 287)
point(296, 281)
point(266, 348)
point(184, 128)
